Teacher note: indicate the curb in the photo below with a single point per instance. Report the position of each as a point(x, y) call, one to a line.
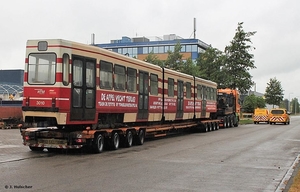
point(288, 179)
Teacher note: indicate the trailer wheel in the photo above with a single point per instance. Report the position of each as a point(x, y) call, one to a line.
point(36, 148)
point(115, 141)
point(217, 125)
point(212, 126)
point(206, 127)
point(129, 138)
point(98, 144)
point(140, 137)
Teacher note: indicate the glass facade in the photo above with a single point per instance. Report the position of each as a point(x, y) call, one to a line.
point(132, 49)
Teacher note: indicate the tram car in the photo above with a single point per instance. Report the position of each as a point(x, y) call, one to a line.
point(72, 86)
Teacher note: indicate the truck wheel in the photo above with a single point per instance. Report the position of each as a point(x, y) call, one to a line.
point(230, 123)
point(98, 144)
point(226, 122)
point(129, 138)
point(115, 141)
point(140, 137)
point(36, 148)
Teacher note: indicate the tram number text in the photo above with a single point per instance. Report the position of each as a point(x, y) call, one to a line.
point(40, 103)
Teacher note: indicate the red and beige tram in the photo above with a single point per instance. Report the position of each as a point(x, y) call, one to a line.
point(72, 86)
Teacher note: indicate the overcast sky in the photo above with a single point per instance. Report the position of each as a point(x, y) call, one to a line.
point(276, 22)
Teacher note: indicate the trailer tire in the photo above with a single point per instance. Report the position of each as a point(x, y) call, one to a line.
point(206, 127)
point(115, 141)
point(140, 137)
point(98, 144)
point(128, 139)
point(217, 125)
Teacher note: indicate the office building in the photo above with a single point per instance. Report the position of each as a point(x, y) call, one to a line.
point(140, 47)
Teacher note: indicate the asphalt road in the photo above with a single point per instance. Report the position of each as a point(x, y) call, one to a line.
point(247, 158)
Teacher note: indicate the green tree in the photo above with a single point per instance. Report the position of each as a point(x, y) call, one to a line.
point(239, 61)
point(252, 102)
point(190, 68)
point(274, 92)
point(210, 65)
point(261, 103)
point(152, 58)
point(249, 104)
point(174, 60)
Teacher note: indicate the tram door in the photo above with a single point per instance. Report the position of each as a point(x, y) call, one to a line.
point(143, 95)
point(179, 113)
point(83, 87)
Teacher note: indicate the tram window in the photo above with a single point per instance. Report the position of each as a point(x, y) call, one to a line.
point(214, 94)
point(41, 68)
point(153, 84)
point(90, 74)
point(199, 91)
point(106, 78)
point(77, 72)
point(188, 90)
point(66, 69)
point(77, 97)
point(131, 80)
point(204, 89)
point(120, 78)
point(89, 98)
point(170, 87)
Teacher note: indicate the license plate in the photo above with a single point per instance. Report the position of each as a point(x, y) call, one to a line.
point(52, 141)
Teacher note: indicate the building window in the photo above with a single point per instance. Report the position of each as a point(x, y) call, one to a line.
point(161, 49)
point(145, 50)
point(155, 49)
point(167, 48)
point(182, 48)
point(172, 48)
point(129, 51)
point(125, 51)
point(134, 52)
point(150, 49)
point(188, 48)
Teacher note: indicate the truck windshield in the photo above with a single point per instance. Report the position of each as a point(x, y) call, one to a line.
point(41, 68)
